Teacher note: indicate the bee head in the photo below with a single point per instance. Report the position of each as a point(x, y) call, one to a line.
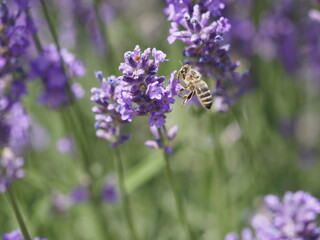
point(183, 71)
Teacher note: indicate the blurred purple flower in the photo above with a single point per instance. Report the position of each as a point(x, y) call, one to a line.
point(62, 202)
point(10, 168)
point(246, 234)
point(295, 217)
point(14, 41)
point(56, 92)
point(110, 192)
point(158, 142)
point(108, 113)
point(66, 145)
point(292, 218)
point(79, 194)
point(40, 137)
point(16, 235)
point(287, 30)
point(14, 128)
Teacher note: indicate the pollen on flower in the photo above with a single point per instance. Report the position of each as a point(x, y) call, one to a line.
point(137, 58)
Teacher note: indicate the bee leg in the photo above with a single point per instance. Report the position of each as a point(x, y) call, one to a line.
point(187, 98)
point(184, 88)
point(181, 90)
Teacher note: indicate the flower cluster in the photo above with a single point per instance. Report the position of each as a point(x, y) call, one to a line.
point(145, 93)
point(139, 91)
point(62, 202)
point(57, 89)
point(290, 32)
point(16, 235)
point(110, 192)
point(206, 49)
point(163, 140)
point(246, 234)
point(108, 116)
point(10, 168)
point(14, 41)
point(14, 128)
point(293, 218)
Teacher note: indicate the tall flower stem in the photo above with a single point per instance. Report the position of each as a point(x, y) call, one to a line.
point(109, 54)
point(251, 150)
point(52, 31)
point(17, 212)
point(35, 36)
point(176, 191)
point(126, 201)
point(70, 122)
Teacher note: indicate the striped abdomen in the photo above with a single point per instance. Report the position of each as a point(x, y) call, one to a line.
point(203, 93)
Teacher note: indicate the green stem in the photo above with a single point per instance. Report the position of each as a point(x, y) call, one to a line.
point(248, 143)
point(109, 54)
point(126, 200)
point(175, 191)
point(35, 36)
point(15, 207)
point(52, 31)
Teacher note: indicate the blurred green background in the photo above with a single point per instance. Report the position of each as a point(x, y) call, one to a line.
point(224, 163)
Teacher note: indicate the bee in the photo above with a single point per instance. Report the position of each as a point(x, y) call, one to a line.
point(192, 79)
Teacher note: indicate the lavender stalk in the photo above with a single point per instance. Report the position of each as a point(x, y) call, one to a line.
point(13, 202)
point(52, 31)
point(175, 188)
point(126, 201)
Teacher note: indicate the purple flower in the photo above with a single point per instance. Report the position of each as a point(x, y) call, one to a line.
point(110, 192)
point(10, 168)
point(246, 234)
point(66, 145)
point(157, 119)
point(158, 143)
point(14, 128)
point(155, 90)
point(16, 235)
point(295, 217)
point(61, 202)
point(14, 41)
point(144, 92)
point(56, 90)
point(215, 7)
point(79, 194)
point(109, 113)
point(292, 218)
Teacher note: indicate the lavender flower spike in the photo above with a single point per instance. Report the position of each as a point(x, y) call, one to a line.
point(158, 142)
point(110, 192)
point(14, 126)
point(14, 41)
point(144, 92)
point(109, 117)
point(56, 92)
point(202, 28)
point(16, 235)
point(292, 218)
point(295, 217)
point(10, 168)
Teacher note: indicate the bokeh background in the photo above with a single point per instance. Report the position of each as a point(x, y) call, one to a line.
point(224, 163)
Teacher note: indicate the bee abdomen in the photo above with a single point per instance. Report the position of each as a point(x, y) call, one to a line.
point(205, 97)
